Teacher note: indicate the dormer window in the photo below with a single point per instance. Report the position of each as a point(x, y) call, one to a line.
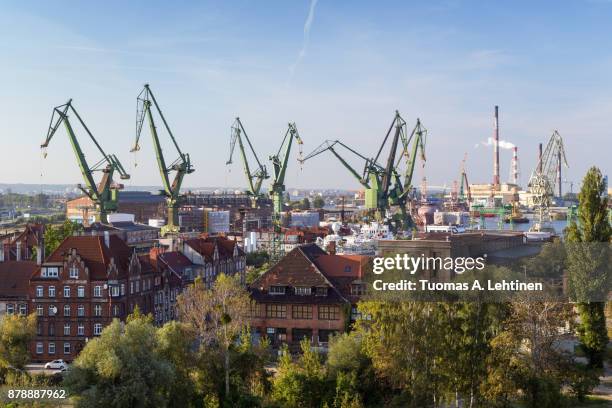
point(74, 272)
point(303, 290)
point(347, 268)
point(50, 272)
point(277, 290)
point(321, 291)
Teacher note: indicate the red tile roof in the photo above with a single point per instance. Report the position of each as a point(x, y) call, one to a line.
point(95, 254)
point(15, 277)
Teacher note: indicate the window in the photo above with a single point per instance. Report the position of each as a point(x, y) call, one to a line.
point(66, 329)
point(98, 291)
point(66, 310)
point(257, 310)
point(137, 286)
point(97, 329)
point(301, 311)
point(23, 309)
point(52, 310)
point(347, 268)
point(278, 311)
point(115, 291)
point(81, 329)
point(51, 347)
point(277, 290)
point(321, 291)
point(74, 272)
point(122, 289)
point(51, 291)
point(10, 308)
point(39, 329)
point(66, 348)
point(51, 329)
point(131, 287)
point(39, 291)
point(329, 313)
point(50, 272)
point(81, 310)
point(39, 348)
point(66, 291)
point(357, 289)
point(81, 291)
point(40, 311)
point(97, 310)
point(115, 310)
point(302, 290)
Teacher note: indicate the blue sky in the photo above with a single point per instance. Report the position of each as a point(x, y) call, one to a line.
point(546, 64)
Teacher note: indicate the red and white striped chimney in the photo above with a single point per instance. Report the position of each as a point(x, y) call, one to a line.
point(515, 166)
point(496, 182)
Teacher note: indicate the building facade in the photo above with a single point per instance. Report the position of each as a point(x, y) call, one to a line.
point(76, 292)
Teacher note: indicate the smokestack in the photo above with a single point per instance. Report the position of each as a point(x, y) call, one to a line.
point(496, 182)
point(515, 170)
point(540, 158)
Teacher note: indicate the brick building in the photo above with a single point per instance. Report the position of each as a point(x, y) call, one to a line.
point(216, 255)
point(307, 294)
point(14, 283)
point(76, 292)
point(142, 204)
point(21, 246)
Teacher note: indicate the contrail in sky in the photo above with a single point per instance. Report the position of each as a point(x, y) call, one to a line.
point(307, 25)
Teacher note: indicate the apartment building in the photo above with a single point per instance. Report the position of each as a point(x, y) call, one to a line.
point(307, 294)
point(76, 292)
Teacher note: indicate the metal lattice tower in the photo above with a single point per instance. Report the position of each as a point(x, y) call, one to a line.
point(543, 179)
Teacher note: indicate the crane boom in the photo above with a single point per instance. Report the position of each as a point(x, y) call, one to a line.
point(256, 178)
point(104, 194)
point(181, 166)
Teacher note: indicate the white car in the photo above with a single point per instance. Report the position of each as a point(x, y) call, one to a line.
point(56, 365)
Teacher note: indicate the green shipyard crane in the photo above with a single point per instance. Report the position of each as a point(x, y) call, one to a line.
point(254, 178)
point(383, 184)
point(104, 194)
point(280, 161)
point(181, 166)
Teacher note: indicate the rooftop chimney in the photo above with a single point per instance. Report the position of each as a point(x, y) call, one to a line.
point(496, 182)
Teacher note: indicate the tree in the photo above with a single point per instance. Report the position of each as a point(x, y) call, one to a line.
point(318, 202)
point(123, 368)
point(589, 265)
point(55, 235)
point(305, 204)
point(217, 315)
point(16, 333)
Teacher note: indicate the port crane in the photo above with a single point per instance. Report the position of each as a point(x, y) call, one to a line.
point(104, 194)
point(383, 184)
point(181, 166)
point(542, 180)
point(464, 186)
point(280, 161)
point(254, 178)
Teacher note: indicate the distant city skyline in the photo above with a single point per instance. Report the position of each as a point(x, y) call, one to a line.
point(338, 69)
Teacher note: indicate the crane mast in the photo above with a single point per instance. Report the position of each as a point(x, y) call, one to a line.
point(256, 178)
point(104, 194)
point(280, 161)
point(181, 166)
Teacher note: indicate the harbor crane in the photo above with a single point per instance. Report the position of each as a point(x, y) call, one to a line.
point(104, 194)
point(464, 186)
point(254, 178)
point(544, 177)
point(383, 184)
point(181, 166)
point(280, 161)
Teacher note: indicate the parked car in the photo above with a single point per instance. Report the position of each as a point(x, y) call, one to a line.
point(56, 365)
